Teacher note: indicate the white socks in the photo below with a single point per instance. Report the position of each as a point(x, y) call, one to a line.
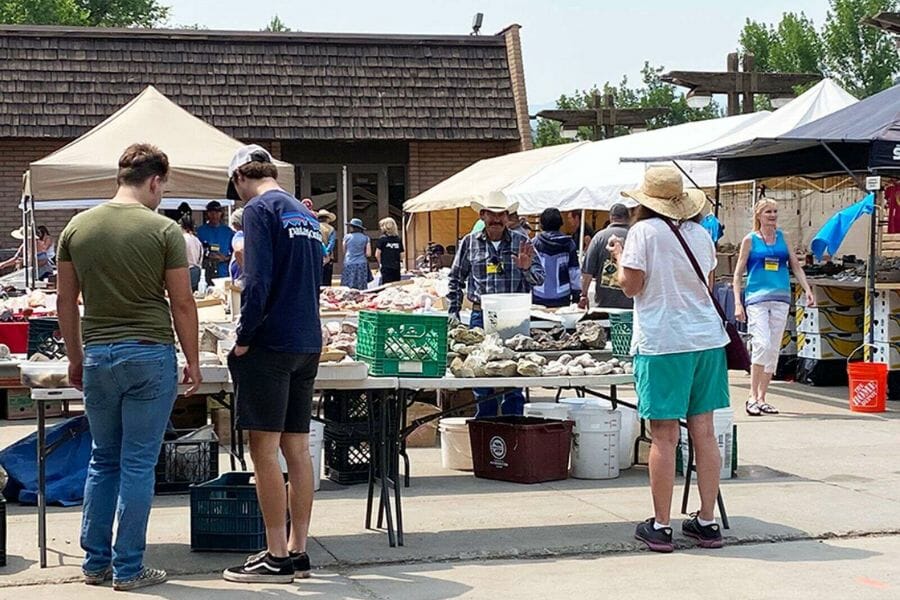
point(658, 526)
point(704, 522)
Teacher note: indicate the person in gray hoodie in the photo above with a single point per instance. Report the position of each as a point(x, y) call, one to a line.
point(559, 257)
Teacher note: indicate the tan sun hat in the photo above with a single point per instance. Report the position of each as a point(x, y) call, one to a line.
point(329, 216)
point(19, 233)
point(663, 192)
point(494, 202)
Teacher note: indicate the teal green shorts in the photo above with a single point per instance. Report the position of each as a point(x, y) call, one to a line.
point(677, 386)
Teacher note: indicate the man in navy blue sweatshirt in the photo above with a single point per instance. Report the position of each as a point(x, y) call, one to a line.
point(276, 359)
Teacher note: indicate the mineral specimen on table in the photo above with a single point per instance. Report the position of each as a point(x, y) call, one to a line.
point(528, 368)
point(501, 368)
point(591, 334)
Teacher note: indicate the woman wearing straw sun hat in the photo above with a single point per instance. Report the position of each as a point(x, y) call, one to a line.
point(678, 345)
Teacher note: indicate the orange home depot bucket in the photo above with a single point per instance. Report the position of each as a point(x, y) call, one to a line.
point(868, 385)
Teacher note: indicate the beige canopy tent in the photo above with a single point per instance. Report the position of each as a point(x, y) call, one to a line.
point(85, 169)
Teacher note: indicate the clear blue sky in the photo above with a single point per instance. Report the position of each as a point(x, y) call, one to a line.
point(567, 44)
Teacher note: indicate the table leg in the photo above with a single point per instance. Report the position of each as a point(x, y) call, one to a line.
point(42, 483)
point(385, 466)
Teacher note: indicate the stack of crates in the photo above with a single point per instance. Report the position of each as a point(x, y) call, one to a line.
point(829, 332)
point(346, 441)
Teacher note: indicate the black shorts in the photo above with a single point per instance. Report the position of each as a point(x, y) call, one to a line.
point(273, 391)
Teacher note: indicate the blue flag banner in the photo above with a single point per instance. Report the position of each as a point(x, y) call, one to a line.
point(833, 232)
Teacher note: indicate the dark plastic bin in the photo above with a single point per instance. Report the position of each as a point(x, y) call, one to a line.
point(44, 337)
point(225, 515)
point(182, 463)
point(520, 449)
point(350, 406)
point(347, 452)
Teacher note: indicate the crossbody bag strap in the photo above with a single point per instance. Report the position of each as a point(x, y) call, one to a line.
point(703, 280)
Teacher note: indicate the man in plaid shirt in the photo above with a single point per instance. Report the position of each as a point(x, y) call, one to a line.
point(494, 260)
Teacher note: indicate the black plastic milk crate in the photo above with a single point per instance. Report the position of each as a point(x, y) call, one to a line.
point(347, 452)
point(44, 337)
point(225, 515)
point(2, 531)
point(348, 406)
point(182, 463)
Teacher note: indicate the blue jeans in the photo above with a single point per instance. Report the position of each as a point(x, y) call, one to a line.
point(129, 391)
point(511, 403)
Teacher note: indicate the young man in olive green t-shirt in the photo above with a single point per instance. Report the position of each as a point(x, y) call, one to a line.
point(123, 257)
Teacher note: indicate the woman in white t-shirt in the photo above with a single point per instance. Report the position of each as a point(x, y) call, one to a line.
point(678, 346)
point(194, 248)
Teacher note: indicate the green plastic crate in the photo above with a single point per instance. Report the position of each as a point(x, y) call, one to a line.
point(400, 344)
point(621, 326)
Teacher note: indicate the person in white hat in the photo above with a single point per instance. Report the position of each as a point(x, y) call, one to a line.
point(678, 343)
point(494, 260)
point(275, 360)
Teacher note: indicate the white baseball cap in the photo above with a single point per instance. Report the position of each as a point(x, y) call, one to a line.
point(248, 154)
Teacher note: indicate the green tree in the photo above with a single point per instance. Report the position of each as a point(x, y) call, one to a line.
point(276, 24)
point(863, 59)
point(793, 46)
point(92, 13)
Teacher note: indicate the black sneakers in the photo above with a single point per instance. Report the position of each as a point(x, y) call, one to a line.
point(262, 568)
point(658, 540)
point(301, 564)
point(707, 536)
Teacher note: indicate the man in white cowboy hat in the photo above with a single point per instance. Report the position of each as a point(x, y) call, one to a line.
point(494, 260)
point(678, 343)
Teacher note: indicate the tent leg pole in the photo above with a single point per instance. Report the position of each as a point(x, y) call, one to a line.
point(718, 205)
point(870, 282)
point(581, 239)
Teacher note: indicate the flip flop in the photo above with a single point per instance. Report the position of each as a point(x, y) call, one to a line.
point(768, 409)
point(753, 409)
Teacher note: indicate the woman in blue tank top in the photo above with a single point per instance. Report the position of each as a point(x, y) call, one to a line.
point(767, 258)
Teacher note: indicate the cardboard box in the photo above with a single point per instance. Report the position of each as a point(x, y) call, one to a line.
point(887, 328)
point(189, 412)
point(18, 405)
point(425, 435)
point(788, 344)
point(827, 345)
point(845, 319)
point(888, 353)
point(828, 296)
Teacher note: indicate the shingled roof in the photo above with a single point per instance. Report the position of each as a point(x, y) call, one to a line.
point(59, 82)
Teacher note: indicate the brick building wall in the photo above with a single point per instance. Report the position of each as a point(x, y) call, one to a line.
point(432, 162)
point(15, 156)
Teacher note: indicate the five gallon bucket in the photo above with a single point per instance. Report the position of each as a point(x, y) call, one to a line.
point(456, 449)
point(547, 410)
point(595, 445)
point(723, 422)
point(316, 438)
point(868, 386)
point(507, 314)
point(628, 431)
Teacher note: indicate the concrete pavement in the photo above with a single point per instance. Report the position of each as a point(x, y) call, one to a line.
point(818, 489)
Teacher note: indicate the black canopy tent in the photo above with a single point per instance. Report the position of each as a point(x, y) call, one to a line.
point(861, 139)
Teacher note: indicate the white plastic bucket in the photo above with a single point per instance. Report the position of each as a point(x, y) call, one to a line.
point(723, 422)
point(628, 431)
point(595, 444)
point(507, 314)
point(316, 439)
point(456, 449)
point(547, 410)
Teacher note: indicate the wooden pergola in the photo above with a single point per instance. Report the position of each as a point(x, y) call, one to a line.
point(739, 85)
point(603, 116)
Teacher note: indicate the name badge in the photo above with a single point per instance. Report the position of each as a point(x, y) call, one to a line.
point(493, 269)
point(772, 263)
point(213, 247)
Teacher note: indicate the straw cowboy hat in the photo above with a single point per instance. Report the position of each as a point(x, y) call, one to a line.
point(327, 215)
point(663, 192)
point(494, 202)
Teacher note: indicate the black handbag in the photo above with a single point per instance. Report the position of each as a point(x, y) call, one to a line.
point(736, 351)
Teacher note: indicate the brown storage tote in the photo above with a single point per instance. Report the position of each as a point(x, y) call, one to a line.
point(520, 449)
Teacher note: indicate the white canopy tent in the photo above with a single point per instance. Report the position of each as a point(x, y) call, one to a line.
point(487, 175)
point(820, 100)
point(85, 169)
point(593, 177)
